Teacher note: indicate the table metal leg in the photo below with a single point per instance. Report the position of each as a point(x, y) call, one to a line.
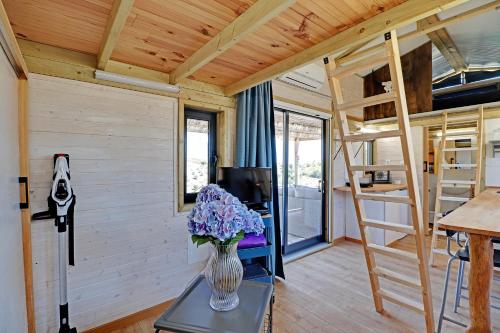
point(480, 276)
point(270, 330)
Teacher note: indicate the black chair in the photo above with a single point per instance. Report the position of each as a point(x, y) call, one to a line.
point(464, 257)
point(461, 254)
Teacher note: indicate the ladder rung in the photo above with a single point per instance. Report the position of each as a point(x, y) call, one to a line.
point(460, 149)
point(400, 300)
point(440, 251)
point(360, 65)
point(463, 133)
point(455, 119)
point(389, 226)
point(368, 101)
point(384, 197)
point(382, 167)
point(372, 136)
point(456, 199)
point(458, 182)
point(449, 166)
point(397, 277)
point(468, 187)
point(439, 233)
point(392, 252)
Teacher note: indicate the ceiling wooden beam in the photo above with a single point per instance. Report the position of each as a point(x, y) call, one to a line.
point(425, 29)
point(444, 43)
point(55, 61)
point(9, 43)
point(406, 13)
point(252, 19)
point(116, 22)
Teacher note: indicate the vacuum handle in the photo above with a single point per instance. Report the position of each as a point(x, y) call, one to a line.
point(71, 243)
point(71, 233)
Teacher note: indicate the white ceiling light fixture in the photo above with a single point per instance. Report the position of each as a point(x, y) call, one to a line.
point(118, 78)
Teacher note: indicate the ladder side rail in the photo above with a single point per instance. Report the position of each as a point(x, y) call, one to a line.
point(342, 125)
point(401, 107)
point(440, 171)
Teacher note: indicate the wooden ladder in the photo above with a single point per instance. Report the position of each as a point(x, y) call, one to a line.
point(473, 185)
point(389, 53)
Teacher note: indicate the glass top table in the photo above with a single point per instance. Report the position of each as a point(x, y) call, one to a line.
point(191, 312)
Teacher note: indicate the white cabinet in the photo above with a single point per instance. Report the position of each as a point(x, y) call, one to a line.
point(377, 210)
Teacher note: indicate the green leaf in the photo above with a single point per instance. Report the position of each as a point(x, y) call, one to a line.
point(239, 236)
point(200, 240)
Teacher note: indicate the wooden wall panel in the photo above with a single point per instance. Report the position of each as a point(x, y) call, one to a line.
point(131, 249)
point(417, 73)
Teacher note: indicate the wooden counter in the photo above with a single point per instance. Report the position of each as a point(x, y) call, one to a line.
point(375, 188)
point(480, 216)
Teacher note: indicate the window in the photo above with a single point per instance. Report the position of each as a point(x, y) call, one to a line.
point(200, 156)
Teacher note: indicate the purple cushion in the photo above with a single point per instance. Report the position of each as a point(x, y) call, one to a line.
point(252, 240)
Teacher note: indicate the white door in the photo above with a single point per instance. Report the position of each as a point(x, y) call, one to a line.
point(12, 293)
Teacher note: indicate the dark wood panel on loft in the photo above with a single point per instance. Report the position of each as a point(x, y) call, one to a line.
point(417, 73)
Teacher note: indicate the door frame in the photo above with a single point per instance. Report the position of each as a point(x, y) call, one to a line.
point(303, 244)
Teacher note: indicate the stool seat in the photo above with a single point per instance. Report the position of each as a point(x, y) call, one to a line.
point(463, 254)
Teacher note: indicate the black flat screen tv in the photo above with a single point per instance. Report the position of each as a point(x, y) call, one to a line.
point(253, 186)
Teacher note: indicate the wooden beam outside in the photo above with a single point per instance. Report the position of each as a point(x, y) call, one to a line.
point(445, 44)
point(252, 19)
point(425, 29)
point(26, 213)
point(116, 22)
point(406, 13)
point(9, 43)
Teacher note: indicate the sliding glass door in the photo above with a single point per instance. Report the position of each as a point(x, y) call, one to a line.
point(300, 145)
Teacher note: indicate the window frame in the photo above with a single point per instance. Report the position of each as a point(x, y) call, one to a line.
point(211, 117)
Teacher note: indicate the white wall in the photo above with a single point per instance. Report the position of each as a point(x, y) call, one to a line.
point(12, 293)
point(131, 249)
point(492, 165)
point(389, 149)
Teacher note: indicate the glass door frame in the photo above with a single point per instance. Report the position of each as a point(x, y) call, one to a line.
point(302, 244)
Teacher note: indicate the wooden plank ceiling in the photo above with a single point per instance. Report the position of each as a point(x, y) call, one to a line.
point(161, 35)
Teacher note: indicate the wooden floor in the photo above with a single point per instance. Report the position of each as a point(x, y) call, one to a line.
point(329, 292)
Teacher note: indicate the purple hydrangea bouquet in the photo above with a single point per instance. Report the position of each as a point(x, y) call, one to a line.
point(221, 219)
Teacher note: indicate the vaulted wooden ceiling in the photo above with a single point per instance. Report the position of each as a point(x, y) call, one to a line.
point(163, 34)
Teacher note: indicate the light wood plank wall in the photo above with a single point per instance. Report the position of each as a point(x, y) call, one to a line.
point(131, 247)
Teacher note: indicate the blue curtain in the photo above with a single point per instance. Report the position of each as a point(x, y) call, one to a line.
point(256, 145)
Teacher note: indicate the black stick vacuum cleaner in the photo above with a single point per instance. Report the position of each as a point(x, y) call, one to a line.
point(61, 202)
